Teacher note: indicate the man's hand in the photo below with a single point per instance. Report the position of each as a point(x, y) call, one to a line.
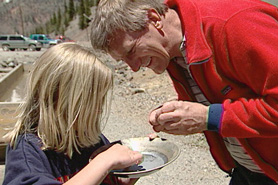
point(179, 118)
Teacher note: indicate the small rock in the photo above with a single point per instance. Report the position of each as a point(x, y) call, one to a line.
point(138, 90)
point(3, 64)
point(11, 64)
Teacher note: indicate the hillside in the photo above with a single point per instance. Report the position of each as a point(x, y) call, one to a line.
point(23, 16)
point(20, 16)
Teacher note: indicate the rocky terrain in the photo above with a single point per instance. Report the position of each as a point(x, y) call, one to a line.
point(134, 95)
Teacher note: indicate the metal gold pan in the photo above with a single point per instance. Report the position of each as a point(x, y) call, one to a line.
point(157, 153)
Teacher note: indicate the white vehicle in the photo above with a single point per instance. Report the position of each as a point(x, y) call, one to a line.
point(12, 42)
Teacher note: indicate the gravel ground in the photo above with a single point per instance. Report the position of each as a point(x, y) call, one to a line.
point(134, 95)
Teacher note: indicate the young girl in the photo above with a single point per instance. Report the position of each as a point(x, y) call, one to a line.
point(59, 125)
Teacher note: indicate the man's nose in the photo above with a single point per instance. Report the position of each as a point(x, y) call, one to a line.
point(133, 64)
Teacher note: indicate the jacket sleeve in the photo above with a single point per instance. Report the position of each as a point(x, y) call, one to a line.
point(27, 164)
point(252, 53)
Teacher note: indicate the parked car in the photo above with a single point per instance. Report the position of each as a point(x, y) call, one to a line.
point(64, 38)
point(12, 42)
point(45, 39)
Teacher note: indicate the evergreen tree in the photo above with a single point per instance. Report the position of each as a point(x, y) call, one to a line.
point(66, 15)
point(39, 30)
point(96, 2)
point(87, 13)
point(59, 20)
point(81, 23)
point(88, 8)
point(54, 19)
point(92, 3)
point(63, 30)
point(66, 20)
point(71, 10)
point(65, 7)
point(48, 28)
point(51, 20)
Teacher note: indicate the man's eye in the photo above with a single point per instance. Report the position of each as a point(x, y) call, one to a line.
point(131, 51)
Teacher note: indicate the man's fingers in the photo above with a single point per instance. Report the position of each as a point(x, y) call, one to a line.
point(158, 128)
point(153, 117)
point(174, 132)
point(168, 107)
point(171, 126)
point(170, 117)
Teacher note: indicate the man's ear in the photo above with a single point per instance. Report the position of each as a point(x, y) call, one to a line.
point(155, 18)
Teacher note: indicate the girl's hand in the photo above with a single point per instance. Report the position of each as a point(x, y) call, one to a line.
point(120, 156)
point(110, 157)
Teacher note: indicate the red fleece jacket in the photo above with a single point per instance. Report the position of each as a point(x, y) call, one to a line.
point(239, 40)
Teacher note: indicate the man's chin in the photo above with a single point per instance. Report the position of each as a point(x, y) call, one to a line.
point(158, 71)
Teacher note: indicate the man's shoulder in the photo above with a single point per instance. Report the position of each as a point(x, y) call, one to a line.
point(214, 8)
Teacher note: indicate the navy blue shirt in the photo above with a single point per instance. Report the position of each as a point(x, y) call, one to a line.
point(28, 164)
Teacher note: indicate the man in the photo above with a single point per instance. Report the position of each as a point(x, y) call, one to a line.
point(222, 58)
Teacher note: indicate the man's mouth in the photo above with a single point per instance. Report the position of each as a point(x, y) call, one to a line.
point(147, 63)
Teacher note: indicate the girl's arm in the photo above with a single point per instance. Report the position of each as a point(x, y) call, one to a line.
point(116, 157)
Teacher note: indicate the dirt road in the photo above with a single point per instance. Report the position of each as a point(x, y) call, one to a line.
point(135, 94)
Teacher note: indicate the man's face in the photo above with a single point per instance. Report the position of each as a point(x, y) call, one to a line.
point(146, 48)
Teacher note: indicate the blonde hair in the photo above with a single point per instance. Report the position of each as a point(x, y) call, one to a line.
point(125, 15)
point(65, 99)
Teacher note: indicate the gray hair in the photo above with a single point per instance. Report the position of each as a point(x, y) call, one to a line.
point(124, 15)
point(66, 94)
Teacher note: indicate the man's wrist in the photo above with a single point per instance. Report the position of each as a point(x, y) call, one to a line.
point(214, 117)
